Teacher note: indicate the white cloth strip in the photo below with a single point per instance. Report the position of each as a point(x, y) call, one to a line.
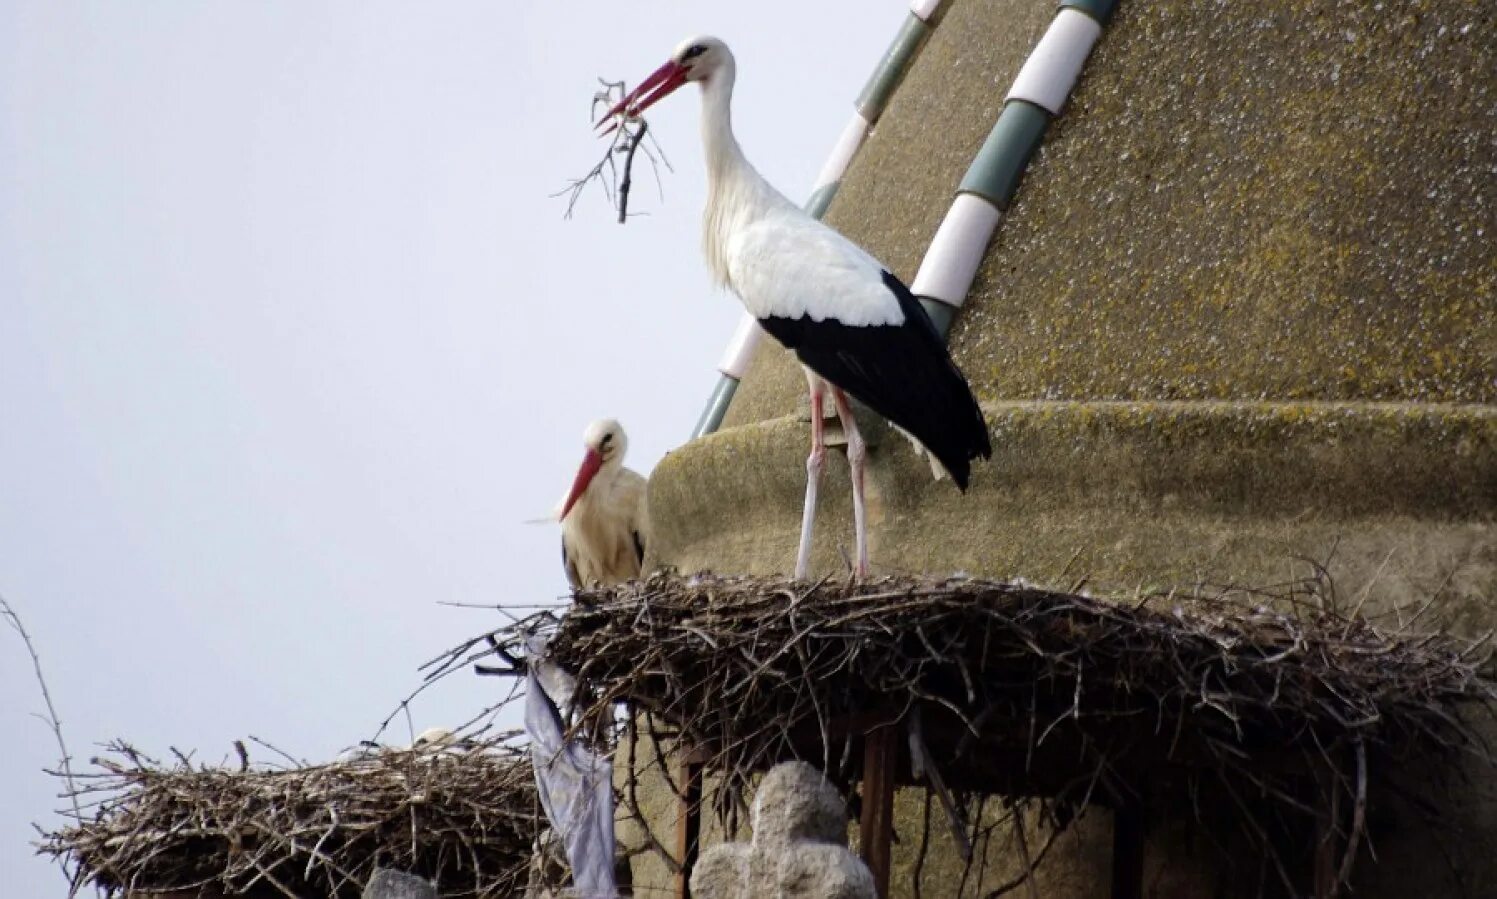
point(847, 145)
point(924, 8)
point(951, 263)
point(740, 351)
point(1052, 69)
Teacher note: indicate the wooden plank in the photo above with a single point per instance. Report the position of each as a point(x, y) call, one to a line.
point(1326, 879)
point(689, 821)
point(1128, 840)
point(876, 833)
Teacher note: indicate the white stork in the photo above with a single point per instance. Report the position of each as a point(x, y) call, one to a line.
point(434, 738)
point(854, 326)
point(604, 521)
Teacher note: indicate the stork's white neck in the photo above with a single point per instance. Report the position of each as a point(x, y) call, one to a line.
point(737, 194)
point(724, 157)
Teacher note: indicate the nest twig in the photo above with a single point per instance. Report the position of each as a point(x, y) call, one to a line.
point(462, 815)
point(9, 615)
point(1274, 701)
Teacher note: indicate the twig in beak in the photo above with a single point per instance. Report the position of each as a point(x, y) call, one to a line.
point(626, 133)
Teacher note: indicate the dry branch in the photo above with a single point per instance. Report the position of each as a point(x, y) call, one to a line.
point(50, 718)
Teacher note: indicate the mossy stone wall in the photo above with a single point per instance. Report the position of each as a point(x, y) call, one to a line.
point(1270, 200)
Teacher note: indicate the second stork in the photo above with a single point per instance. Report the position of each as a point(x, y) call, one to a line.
point(604, 521)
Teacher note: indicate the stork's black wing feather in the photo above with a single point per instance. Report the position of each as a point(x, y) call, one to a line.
point(639, 546)
point(903, 372)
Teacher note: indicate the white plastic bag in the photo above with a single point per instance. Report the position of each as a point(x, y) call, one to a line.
point(576, 785)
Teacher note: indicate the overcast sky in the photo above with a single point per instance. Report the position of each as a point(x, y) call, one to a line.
point(293, 341)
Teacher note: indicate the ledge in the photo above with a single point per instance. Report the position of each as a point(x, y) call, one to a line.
point(1124, 492)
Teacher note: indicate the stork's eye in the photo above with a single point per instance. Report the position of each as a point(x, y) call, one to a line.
point(693, 52)
point(607, 439)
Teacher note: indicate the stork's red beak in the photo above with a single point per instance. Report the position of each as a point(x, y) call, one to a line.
point(590, 465)
point(661, 83)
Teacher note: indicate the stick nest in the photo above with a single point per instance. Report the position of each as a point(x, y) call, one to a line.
point(463, 817)
point(1276, 700)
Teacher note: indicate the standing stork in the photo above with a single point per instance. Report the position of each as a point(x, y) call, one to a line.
point(604, 521)
point(855, 327)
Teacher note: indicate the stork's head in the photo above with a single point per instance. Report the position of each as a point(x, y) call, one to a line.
point(434, 737)
point(700, 59)
point(606, 438)
point(603, 447)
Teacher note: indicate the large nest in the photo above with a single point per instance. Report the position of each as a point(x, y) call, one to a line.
point(1277, 701)
point(461, 815)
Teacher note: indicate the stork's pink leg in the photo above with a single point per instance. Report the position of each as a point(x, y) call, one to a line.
point(813, 479)
point(855, 455)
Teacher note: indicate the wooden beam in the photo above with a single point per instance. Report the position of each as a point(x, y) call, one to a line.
point(1128, 838)
point(1327, 881)
point(689, 821)
point(876, 834)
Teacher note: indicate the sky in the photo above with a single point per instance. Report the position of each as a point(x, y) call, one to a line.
point(293, 341)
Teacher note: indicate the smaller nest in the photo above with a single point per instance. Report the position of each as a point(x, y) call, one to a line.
point(463, 816)
point(1276, 702)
